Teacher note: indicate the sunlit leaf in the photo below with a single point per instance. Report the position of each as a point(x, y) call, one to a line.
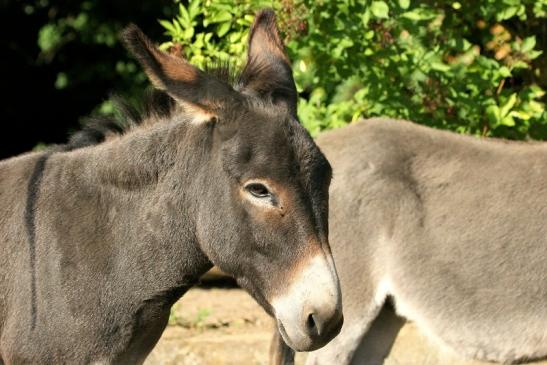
point(379, 9)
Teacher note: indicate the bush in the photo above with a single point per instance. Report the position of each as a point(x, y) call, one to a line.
point(476, 69)
point(60, 59)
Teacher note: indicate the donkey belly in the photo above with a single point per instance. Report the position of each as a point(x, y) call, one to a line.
point(483, 298)
point(468, 264)
point(477, 330)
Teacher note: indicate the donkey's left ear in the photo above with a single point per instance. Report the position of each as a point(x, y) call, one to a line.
point(268, 72)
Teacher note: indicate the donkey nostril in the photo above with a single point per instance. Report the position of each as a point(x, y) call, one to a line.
point(311, 323)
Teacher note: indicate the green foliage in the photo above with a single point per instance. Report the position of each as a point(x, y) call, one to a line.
point(93, 27)
point(88, 29)
point(438, 64)
point(476, 69)
point(210, 31)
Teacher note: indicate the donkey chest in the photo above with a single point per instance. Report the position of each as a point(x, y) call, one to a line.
point(109, 335)
point(133, 332)
point(143, 328)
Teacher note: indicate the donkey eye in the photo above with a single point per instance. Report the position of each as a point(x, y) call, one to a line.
point(258, 190)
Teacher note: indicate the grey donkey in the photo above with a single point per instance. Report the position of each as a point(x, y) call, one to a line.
point(451, 229)
point(101, 236)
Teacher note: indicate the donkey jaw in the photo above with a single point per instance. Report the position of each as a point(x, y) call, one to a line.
point(309, 313)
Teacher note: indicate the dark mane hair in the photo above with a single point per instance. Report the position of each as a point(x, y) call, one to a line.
point(157, 105)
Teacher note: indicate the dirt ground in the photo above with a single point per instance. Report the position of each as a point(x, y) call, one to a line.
point(225, 326)
point(215, 326)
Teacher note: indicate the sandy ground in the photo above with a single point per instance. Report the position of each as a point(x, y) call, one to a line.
point(224, 326)
point(215, 326)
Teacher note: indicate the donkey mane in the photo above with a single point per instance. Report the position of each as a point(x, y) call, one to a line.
point(157, 106)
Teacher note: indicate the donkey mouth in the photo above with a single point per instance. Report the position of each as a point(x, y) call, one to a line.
point(311, 342)
point(285, 336)
point(282, 330)
point(307, 344)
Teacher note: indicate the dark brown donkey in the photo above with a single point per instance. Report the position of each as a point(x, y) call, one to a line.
point(100, 237)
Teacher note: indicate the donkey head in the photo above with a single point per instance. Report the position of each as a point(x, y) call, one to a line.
point(262, 192)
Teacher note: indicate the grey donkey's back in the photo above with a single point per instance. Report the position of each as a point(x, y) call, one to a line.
point(452, 228)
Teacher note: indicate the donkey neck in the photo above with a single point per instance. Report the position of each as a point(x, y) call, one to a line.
point(127, 190)
point(130, 163)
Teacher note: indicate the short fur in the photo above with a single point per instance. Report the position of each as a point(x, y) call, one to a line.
point(100, 237)
point(452, 228)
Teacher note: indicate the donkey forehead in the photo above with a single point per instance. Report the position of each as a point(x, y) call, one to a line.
point(258, 110)
point(276, 145)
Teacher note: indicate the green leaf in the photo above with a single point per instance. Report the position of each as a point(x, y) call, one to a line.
point(419, 14)
point(439, 66)
point(188, 33)
point(520, 64)
point(509, 104)
point(536, 107)
point(404, 4)
point(537, 92)
point(507, 121)
point(223, 16)
point(532, 55)
point(504, 72)
point(507, 13)
point(365, 18)
point(166, 45)
point(168, 25)
point(379, 9)
point(184, 17)
point(194, 8)
point(520, 114)
point(80, 22)
point(493, 114)
point(49, 37)
point(528, 44)
point(223, 29)
point(178, 28)
point(62, 81)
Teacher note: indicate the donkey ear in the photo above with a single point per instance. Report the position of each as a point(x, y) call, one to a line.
point(268, 71)
point(162, 69)
point(184, 82)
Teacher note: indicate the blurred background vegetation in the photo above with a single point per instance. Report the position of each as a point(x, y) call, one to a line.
point(473, 67)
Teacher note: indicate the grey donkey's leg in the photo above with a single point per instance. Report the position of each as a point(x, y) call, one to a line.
point(377, 343)
point(280, 353)
point(366, 341)
point(341, 349)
